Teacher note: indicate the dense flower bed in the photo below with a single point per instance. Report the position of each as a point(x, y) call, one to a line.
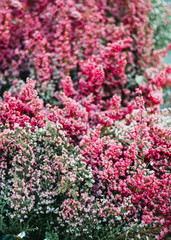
point(84, 149)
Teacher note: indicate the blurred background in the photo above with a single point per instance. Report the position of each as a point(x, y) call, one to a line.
point(168, 57)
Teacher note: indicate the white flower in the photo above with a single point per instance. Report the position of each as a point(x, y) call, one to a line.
point(21, 235)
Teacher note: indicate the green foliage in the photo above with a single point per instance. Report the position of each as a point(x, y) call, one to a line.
point(160, 19)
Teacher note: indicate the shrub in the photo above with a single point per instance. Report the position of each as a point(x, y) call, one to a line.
point(49, 40)
point(84, 149)
point(40, 170)
point(116, 179)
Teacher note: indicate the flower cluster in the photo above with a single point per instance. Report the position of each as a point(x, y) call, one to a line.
point(47, 40)
point(85, 148)
point(25, 107)
point(39, 172)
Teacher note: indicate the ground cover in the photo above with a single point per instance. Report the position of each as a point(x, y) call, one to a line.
point(85, 140)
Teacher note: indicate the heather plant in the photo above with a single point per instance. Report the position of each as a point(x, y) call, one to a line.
point(47, 41)
point(39, 171)
point(100, 100)
point(22, 105)
point(84, 149)
point(131, 166)
point(115, 182)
